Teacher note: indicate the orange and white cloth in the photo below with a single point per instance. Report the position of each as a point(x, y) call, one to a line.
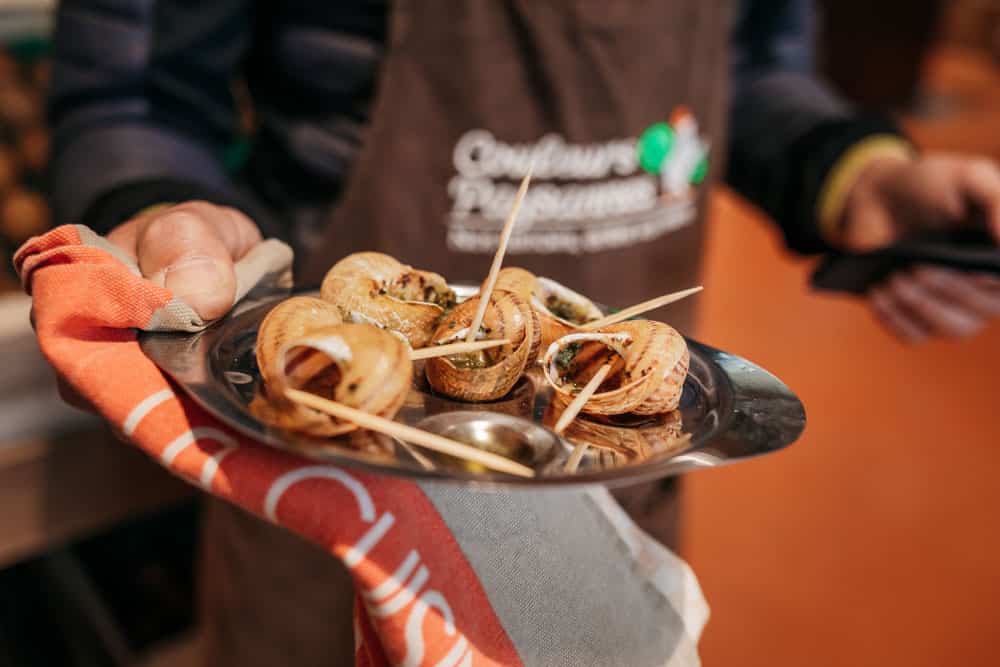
point(445, 575)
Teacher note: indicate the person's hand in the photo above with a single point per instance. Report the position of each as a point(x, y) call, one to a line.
point(190, 249)
point(894, 197)
point(932, 301)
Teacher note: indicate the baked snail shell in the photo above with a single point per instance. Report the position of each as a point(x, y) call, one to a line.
point(549, 299)
point(667, 396)
point(507, 316)
point(519, 281)
point(289, 320)
point(374, 288)
point(648, 360)
point(371, 445)
point(622, 443)
point(358, 365)
point(518, 402)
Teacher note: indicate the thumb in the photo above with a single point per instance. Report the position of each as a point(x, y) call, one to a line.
point(180, 250)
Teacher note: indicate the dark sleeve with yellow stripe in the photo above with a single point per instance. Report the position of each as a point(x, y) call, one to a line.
point(793, 143)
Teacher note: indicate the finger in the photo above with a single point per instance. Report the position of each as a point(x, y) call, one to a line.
point(987, 281)
point(959, 289)
point(247, 235)
point(895, 318)
point(236, 231)
point(124, 235)
point(980, 180)
point(933, 312)
point(181, 251)
point(869, 225)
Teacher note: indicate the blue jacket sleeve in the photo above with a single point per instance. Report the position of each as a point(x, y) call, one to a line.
point(787, 128)
point(141, 104)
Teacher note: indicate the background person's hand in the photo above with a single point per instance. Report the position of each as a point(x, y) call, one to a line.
point(894, 197)
point(190, 249)
point(933, 301)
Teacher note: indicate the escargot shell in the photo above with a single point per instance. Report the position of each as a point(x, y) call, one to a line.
point(373, 288)
point(668, 395)
point(519, 281)
point(358, 365)
point(549, 299)
point(507, 316)
point(649, 363)
point(289, 320)
point(622, 443)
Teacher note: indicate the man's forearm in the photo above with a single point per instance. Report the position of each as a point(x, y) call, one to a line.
point(789, 137)
point(789, 131)
point(101, 178)
point(138, 114)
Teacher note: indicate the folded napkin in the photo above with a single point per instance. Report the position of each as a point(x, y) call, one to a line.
point(444, 575)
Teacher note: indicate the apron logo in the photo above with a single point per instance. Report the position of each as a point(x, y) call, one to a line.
point(675, 152)
point(584, 197)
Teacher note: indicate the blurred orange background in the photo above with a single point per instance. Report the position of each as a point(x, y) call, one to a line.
point(872, 541)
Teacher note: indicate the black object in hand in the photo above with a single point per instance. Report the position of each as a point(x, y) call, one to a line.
point(964, 250)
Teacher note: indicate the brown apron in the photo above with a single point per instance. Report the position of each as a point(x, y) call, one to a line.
point(470, 93)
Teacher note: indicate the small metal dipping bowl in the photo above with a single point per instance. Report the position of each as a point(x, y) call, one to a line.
point(513, 437)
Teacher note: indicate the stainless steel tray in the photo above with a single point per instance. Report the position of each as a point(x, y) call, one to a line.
point(732, 409)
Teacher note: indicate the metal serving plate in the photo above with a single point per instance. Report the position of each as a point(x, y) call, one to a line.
point(732, 409)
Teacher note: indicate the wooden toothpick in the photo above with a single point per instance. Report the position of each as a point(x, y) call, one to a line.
point(573, 409)
point(455, 348)
point(639, 309)
point(314, 362)
point(424, 462)
point(411, 435)
point(491, 278)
